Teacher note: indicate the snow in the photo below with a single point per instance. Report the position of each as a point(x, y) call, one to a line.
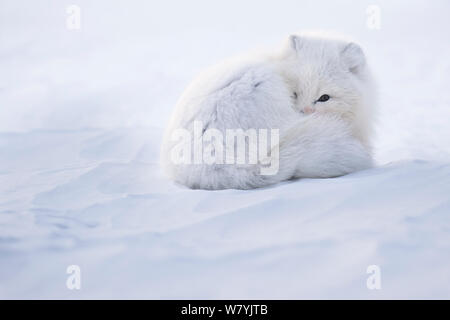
point(81, 118)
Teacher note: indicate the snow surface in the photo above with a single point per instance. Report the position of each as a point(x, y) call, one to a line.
point(81, 120)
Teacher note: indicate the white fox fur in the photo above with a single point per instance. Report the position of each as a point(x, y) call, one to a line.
point(281, 91)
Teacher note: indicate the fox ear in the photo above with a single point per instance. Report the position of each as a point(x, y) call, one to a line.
point(295, 42)
point(353, 57)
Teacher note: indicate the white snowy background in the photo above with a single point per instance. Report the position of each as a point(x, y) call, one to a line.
point(81, 118)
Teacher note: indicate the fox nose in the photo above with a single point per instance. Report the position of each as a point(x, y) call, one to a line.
point(308, 110)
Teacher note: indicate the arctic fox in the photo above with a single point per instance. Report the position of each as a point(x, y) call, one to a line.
point(315, 98)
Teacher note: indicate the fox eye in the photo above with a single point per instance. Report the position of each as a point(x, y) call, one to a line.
point(294, 95)
point(324, 98)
